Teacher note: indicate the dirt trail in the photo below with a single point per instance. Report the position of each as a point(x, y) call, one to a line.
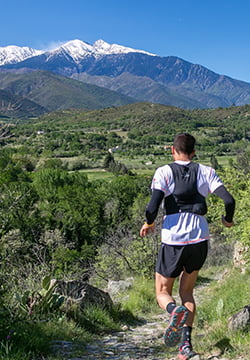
point(143, 341)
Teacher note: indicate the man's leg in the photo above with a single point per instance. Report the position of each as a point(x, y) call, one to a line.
point(178, 314)
point(164, 287)
point(186, 287)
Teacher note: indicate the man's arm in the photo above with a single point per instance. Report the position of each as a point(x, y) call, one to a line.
point(151, 212)
point(229, 203)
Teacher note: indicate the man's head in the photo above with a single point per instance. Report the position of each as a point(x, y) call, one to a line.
point(184, 144)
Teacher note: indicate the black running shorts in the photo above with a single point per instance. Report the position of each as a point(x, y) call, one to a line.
point(172, 259)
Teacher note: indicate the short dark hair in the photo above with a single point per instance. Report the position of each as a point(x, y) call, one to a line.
point(184, 143)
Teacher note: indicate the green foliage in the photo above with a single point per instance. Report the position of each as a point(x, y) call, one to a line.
point(214, 162)
point(109, 158)
point(115, 167)
point(238, 184)
point(145, 129)
point(18, 210)
point(53, 164)
point(71, 204)
point(10, 171)
point(40, 303)
point(124, 189)
point(72, 262)
point(23, 340)
point(58, 221)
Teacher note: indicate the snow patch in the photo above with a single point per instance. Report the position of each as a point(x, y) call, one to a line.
point(13, 54)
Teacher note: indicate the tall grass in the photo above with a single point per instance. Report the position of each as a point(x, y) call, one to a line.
point(140, 299)
point(222, 299)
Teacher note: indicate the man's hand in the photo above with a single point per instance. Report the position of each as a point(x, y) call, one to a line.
point(226, 223)
point(147, 229)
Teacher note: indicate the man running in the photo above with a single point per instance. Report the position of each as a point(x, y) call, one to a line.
point(182, 186)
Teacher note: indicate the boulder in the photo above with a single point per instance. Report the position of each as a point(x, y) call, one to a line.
point(240, 320)
point(82, 293)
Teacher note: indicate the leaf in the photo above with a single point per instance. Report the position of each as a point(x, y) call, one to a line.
point(219, 308)
point(46, 282)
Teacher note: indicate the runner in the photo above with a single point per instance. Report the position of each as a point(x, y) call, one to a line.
point(182, 186)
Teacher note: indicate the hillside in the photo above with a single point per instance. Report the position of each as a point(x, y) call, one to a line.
point(12, 105)
point(52, 92)
point(141, 88)
point(153, 119)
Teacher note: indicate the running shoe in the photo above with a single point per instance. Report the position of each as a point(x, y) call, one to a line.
point(186, 352)
point(177, 319)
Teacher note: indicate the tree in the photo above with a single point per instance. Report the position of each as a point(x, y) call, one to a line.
point(108, 160)
point(214, 162)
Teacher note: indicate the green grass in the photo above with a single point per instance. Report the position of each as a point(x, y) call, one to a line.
point(220, 300)
point(98, 174)
point(25, 339)
point(217, 302)
point(140, 298)
point(137, 165)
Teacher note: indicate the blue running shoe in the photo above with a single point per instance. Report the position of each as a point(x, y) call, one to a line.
point(173, 332)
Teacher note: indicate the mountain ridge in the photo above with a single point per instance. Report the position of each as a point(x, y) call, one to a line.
point(78, 49)
point(170, 80)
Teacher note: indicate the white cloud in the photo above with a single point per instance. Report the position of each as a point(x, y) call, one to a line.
point(51, 45)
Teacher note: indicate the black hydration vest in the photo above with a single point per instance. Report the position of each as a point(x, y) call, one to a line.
point(185, 197)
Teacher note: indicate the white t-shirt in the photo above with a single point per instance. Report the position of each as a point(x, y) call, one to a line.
point(185, 228)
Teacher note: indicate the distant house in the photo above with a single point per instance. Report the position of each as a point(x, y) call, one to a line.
point(113, 150)
point(40, 132)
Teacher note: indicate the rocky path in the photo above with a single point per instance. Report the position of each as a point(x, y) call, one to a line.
point(143, 341)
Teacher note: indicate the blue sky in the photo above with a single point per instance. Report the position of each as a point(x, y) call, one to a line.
point(213, 33)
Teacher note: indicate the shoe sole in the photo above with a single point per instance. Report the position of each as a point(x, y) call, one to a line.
point(173, 332)
point(193, 356)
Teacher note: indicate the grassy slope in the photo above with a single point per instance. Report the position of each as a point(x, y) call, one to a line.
point(57, 92)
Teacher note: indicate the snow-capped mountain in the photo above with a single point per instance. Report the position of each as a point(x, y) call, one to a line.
point(76, 49)
point(103, 48)
point(13, 54)
point(131, 72)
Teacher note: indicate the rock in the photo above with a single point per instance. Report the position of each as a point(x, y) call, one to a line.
point(82, 293)
point(116, 287)
point(124, 328)
point(239, 256)
point(240, 320)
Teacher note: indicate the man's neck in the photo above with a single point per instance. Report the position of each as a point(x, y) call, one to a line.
point(182, 157)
